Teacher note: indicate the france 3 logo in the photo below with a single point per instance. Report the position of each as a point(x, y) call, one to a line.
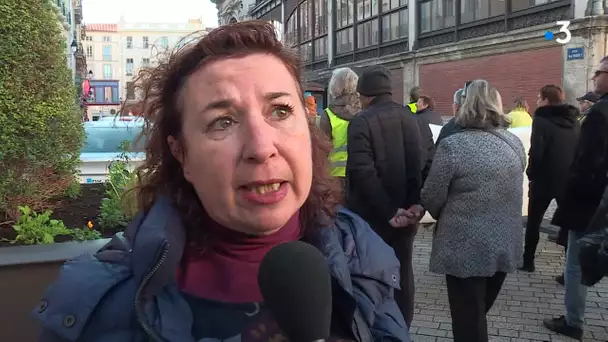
point(563, 28)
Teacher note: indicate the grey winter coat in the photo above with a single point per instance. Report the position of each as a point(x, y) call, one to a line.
point(475, 192)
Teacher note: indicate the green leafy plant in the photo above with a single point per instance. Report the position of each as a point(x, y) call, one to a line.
point(33, 229)
point(119, 205)
point(73, 190)
point(41, 131)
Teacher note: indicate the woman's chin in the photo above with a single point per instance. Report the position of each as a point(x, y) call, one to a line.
point(264, 222)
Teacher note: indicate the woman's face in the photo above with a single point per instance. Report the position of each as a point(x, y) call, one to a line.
point(248, 148)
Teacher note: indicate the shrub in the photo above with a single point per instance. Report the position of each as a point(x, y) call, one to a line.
point(119, 205)
point(40, 128)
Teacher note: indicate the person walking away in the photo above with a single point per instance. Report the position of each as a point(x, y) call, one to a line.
point(585, 102)
point(475, 193)
point(425, 116)
point(414, 96)
point(520, 115)
point(586, 182)
point(451, 126)
point(426, 110)
point(383, 178)
point(343, 106)
point(555, 131)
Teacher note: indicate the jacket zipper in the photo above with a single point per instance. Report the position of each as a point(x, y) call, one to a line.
point(139, 313)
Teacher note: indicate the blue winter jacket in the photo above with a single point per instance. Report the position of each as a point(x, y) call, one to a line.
point(127, 291)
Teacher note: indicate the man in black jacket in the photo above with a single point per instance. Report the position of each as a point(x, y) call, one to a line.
point(383, 173)
point(555, 131)
point(586, 182)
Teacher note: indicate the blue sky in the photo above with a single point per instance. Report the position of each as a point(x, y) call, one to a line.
point(109, 11)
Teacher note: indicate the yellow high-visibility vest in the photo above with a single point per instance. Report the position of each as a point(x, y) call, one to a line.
point(413, 107)
point(339, 154)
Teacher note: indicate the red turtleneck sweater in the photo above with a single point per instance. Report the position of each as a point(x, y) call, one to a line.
point(227, 270)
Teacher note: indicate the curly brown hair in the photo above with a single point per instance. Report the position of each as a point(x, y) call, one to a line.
point(161, 174)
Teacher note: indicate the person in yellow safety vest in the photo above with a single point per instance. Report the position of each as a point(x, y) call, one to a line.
point(343, 105)
point(520, 115)
point(414, 96)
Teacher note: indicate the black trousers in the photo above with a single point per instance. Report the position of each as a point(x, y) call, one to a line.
point(402, 242)
point(537, 206)
point(470, 300)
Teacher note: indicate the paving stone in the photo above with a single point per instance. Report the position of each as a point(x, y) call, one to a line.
point(525, 299)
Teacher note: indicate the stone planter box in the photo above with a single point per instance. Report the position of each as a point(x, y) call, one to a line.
point(26, 271)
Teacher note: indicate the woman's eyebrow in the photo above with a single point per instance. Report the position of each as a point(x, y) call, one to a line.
point(275, 95)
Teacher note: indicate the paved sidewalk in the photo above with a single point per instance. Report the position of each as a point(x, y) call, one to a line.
point(524, 300)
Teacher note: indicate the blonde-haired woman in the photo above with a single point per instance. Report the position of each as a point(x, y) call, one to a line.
point(343, 105)
point(474, 191)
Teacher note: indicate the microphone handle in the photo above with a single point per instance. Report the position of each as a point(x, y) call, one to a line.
point(321, 340)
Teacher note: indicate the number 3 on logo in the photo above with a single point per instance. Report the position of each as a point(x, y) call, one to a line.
point(564, 29)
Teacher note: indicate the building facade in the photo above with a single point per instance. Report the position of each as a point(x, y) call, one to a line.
point(102, 50)
point(116, 52)
point(440, 44)
point(141, 44)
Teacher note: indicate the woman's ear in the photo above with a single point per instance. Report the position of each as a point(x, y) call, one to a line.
point(176, 149)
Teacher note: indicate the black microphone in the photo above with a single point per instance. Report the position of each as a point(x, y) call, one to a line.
point(295, 283)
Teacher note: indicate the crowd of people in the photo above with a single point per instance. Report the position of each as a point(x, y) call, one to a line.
point(472, 185)
point(235, 166)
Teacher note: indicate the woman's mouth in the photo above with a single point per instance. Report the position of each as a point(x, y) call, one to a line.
point(270, 192)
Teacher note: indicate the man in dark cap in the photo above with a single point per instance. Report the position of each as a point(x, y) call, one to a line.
point(586, 101)
point(383, 173)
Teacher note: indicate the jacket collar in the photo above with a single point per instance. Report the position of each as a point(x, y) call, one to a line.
point(158, 240)
point(384, 98)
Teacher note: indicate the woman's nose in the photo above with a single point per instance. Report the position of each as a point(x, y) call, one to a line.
point(259, 143)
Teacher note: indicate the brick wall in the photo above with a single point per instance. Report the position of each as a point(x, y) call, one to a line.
point(514, 74)
point(397, 84)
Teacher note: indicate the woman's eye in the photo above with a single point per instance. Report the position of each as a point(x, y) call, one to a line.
point(221, 124)
point(282, 112)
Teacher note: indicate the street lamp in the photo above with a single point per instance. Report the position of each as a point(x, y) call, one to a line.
point(74, 46)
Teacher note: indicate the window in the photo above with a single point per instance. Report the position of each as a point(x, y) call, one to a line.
point(388, 5)
point(107, 71)
point(366, 9)
point(88, 38)
point(89, 51)
point(305, 22)
point(320, 47)
point(129, 67)
point(437, 15)
point(518, 5)
point(306, 51)
point(109, 139)
point(471, 10)
point(291, 31)
point(367, 33)
point(129, 42)
point(130, 91)
point(164, 42)
point(145, 42)
point(321, 17)
point(107, 94)
point(344, 12)
point(107, 39)
point(145, 62)
point(395, 25)
point(107, 52)
point(344, 40)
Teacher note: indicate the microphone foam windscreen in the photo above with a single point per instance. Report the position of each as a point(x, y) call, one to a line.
point(296, 285)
